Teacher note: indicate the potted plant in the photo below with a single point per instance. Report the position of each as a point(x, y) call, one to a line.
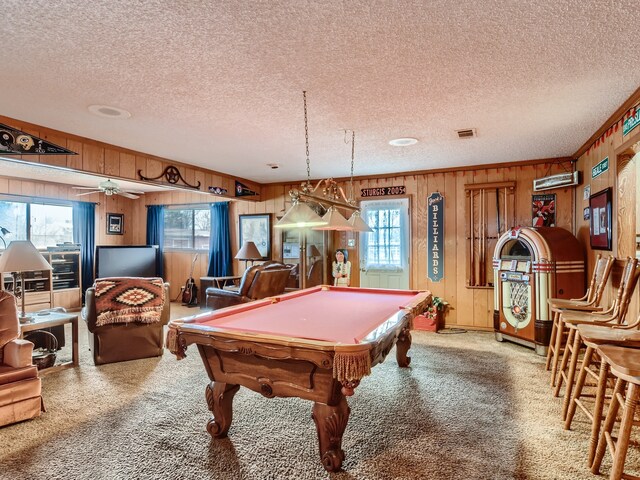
point(432, 316)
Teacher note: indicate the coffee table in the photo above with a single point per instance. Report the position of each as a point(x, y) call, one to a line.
point(53, 319)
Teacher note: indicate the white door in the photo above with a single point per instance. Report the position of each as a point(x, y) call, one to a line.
point(384, 253)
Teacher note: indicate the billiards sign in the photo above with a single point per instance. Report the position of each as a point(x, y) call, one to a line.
point(435, 237)
point(383, 191)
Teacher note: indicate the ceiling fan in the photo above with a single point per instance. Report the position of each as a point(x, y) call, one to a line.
point(109, 188)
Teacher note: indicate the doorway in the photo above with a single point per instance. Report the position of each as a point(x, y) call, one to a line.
point(384, 257)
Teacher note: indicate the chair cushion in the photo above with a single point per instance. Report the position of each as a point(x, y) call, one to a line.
point(10, 375)
point(16, 391)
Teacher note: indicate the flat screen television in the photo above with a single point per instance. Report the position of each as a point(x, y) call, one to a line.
point(127, 261)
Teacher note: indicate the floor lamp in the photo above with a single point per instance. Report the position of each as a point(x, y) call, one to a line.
point(19, 257)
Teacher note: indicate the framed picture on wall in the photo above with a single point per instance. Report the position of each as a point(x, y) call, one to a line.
point(115, 223)
point(257, 229)
point(600, 216)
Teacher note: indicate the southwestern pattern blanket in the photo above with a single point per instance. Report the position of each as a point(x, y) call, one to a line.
point(128, 299)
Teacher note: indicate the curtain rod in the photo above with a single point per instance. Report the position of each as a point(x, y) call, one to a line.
point(193, 205)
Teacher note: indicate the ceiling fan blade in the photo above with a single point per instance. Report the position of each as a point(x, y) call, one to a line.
point(87, 193)
point(127, 194)
point(85, 188)
point(135, 192)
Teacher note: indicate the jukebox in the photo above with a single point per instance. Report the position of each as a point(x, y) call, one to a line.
point(530, 265)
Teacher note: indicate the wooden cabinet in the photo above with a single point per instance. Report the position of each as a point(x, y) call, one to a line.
point(59, 287)
point(66, 284)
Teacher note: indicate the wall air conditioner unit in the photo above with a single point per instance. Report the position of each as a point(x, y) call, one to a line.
point(556, 181)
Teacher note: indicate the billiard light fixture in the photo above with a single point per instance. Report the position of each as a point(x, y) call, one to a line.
point(300, 215)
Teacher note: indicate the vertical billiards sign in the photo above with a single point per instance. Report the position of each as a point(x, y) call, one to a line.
point(435, 237)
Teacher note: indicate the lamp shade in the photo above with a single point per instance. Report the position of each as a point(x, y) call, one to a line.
point(312, 251)
point(335, 221)
point(249, 251)
point(22, 256)
point(300, 215)
point(358, 224)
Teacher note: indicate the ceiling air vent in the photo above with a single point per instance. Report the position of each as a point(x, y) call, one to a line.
point(466, 133)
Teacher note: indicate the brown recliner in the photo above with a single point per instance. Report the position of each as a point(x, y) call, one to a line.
point(20, 388)
point(119, 342)
point(258, 281)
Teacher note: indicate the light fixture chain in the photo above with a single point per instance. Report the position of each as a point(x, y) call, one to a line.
point(353, 150)
point(306, 137)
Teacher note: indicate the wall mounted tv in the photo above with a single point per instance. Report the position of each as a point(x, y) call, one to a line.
point(127, 261)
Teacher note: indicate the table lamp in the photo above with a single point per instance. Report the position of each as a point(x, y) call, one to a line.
point(249, 251)
point(19, 257)
point(313, 252)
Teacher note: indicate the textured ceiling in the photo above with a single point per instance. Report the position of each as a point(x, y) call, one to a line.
point(219, 84)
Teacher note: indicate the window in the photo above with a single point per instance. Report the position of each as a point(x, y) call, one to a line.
point(385, 248)
point(48, 224)
point(187, 228)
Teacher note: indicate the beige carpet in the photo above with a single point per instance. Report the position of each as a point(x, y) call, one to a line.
point(468, 408)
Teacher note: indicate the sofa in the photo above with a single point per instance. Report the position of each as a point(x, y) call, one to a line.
point(258, 281)
point(20, 388)
point(121, 341)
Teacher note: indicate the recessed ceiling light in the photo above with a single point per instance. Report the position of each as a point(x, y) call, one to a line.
point(403, 142)
point(108, 112)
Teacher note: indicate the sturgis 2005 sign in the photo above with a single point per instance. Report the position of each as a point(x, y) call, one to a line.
point(435, 237)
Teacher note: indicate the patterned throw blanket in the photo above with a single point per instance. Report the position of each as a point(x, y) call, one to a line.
point(128, 299)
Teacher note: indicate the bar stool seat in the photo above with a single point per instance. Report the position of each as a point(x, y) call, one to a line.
point(625, 366)
point(593, 336)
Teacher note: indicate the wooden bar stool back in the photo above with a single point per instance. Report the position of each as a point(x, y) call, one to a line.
point(569, 320)
point(589, 302)
point(625, 366)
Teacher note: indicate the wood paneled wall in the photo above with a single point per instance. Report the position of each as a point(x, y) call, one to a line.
point(624, 163)
point(120, 163)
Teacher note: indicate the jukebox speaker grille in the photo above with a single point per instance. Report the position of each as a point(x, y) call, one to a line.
point(519, 301)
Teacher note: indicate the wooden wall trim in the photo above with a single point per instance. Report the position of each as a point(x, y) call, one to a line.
point(615, 117)
point(461, 169)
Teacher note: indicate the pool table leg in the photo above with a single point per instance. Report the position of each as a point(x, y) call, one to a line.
point(402, 347)
point(220, 401)
point(331, 422)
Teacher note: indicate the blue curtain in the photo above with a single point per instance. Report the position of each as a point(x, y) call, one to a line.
point(155, 231)
point(84, 233)
point(219, 241)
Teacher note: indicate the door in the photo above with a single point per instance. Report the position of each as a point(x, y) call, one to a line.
point(384, 261)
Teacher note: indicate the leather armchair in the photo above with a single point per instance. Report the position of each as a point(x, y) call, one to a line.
point(119, 342)
point(20, 388)
point(258, 281)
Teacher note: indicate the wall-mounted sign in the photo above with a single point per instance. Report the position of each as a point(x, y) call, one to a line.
point(435, 237)
point(631, 123)
point(383, 191)
point(243, 191)
point(600, 168)
point(17, 142)
point(543, 210)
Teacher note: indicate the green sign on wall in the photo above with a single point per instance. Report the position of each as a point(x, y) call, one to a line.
point(600, 168)
point(631, 123)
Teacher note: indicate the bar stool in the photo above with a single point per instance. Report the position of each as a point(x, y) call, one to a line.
point(594, 336)
point(625, 366)
point(589, 302)
point(570, 319)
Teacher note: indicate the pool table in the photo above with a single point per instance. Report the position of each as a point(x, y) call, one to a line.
point(315, 344)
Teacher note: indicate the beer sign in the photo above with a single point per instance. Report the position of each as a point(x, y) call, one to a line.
point(435, 237)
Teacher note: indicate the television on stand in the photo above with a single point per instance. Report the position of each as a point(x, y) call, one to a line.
point(127, 261)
